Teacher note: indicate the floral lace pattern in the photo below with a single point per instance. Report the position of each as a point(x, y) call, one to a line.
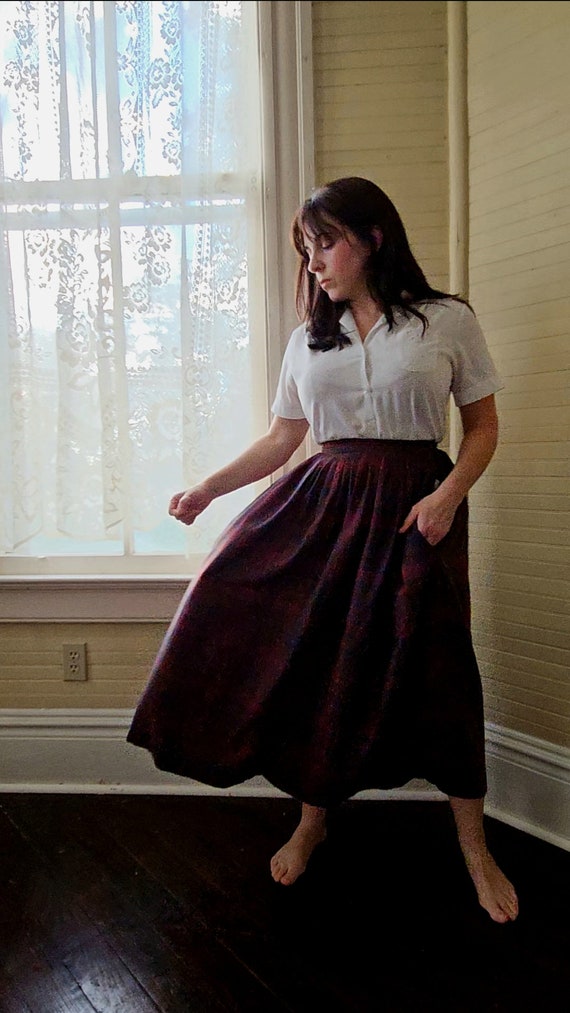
point(129, 204)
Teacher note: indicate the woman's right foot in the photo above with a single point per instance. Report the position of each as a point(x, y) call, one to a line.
point(496, 893)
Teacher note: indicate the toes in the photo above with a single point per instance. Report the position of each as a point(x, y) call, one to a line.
point(502, 906)
point(278, 870)
point(283, 877)
point(501, 918)
point(512, 908)
point(281, 871)
point(509, 902)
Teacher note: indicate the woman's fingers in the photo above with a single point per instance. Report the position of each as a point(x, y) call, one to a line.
point(432, 518)
point(186, 506)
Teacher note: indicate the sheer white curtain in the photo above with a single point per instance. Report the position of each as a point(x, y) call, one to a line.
point(132, 343)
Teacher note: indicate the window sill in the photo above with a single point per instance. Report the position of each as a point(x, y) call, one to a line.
point(90, 599)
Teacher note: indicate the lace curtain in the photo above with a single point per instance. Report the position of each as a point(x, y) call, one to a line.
point(132, 324)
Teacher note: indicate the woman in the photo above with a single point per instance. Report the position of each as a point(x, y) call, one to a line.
point(325, 643)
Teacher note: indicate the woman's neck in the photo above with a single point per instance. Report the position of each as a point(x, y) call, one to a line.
point(365, 314)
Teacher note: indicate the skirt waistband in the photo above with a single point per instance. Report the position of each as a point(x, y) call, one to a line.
point(377, 448)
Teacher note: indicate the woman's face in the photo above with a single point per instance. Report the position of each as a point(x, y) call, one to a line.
point(338, 260)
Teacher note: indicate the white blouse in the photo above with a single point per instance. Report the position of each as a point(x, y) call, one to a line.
point(394, 385)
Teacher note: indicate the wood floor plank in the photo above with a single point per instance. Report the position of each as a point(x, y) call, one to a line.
point(34, 974)
point(134, 904)
point(11, 999)
point(117, 895)
point(278, 951)
point(429, 908)
point(48, 986)
point(107, 985)
point(55, 939)
point(218, 884)
point(176, 856)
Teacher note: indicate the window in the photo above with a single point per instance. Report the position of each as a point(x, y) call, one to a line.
point(138, 202)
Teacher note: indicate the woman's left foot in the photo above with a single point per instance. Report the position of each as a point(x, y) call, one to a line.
point(495, 892)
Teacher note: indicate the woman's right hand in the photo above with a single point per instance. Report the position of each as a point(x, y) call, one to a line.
point(185, 506)
point(265, 456)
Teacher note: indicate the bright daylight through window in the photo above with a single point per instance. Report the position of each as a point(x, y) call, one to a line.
point(133, 321)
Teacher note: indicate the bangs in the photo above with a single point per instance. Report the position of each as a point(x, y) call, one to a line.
point(316, 223)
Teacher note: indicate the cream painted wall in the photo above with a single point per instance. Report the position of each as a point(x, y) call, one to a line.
point(519, 258)
point(381, 111)
point(119, 656)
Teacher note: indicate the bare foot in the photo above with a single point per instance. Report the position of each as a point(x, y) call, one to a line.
point(495, 892)
point(291, 860)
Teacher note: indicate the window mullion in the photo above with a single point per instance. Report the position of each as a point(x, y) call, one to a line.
point(121, 408)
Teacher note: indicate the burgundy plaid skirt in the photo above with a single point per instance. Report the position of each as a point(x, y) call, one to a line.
point(319, 647)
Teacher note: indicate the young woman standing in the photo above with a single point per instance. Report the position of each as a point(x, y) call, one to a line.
point(326, 642)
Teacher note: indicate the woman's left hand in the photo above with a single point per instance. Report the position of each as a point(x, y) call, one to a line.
point(433, 515)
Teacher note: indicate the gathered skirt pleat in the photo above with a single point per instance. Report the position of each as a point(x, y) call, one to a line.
point(321, 648)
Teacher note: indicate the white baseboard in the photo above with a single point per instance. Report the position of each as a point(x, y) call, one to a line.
point(529, 784)
point(85, 751)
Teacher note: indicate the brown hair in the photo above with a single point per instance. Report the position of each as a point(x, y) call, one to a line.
point(394, 277)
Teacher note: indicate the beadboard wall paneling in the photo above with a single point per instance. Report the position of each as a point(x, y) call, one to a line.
point(519, 274)
point(381, 111)
point(118, 662)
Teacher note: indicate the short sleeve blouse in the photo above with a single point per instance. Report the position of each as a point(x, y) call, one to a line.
point(395, 384)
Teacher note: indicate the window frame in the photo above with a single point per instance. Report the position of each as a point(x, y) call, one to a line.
point(285, 45)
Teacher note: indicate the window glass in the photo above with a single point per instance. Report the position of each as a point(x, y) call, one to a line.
point(132, 338)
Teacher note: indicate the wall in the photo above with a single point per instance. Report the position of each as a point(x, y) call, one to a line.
point(118, 659)
point(380, 74)
point(519, 273)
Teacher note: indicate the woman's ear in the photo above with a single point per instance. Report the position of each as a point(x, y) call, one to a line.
point(378, 237)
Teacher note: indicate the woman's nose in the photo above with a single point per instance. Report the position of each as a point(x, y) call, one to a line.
point(315, 261)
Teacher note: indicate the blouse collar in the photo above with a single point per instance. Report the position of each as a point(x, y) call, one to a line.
point(348, 324)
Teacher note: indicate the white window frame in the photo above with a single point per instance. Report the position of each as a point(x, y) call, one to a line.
point(285, 36)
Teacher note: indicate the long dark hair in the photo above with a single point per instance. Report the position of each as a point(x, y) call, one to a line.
point(394, 277)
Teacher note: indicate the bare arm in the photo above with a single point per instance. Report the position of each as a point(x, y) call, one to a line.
point(264, 457)
point(434, 514)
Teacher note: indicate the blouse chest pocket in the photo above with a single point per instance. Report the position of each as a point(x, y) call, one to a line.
point(419, 356)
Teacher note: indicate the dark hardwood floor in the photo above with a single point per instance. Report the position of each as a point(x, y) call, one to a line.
point(135, 904)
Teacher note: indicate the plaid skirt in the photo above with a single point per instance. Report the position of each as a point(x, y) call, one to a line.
point(319, 647)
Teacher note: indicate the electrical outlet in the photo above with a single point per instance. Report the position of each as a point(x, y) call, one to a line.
point(74, 662)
